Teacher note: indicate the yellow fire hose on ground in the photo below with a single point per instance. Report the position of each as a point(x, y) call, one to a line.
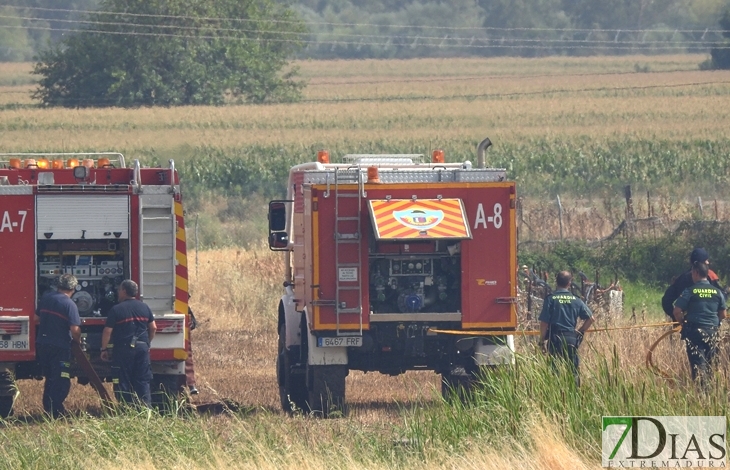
point(649, 355)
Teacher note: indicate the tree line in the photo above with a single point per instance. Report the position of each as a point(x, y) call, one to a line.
point(430, 28)
point(406, 28)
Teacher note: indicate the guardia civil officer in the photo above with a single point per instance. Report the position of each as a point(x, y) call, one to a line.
point(684, 280)
point(700, 309)
point(59, 324)
point(129, 329)
point(558, 321)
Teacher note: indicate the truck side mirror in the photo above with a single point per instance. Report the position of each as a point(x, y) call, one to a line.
point(277, 216)
point(278, 237)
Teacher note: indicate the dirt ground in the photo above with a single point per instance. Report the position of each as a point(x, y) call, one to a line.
point(238, 366)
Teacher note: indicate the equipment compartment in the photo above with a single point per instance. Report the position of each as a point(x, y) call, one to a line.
point(99, 265)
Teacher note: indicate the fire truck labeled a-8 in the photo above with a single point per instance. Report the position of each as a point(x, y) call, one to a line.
point(90, 216)
point(392, 265)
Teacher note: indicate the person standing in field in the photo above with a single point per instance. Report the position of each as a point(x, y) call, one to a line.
point(558, 321)
point(699, 310)
point(58, 325)
point(684, 280)
point(129, 329)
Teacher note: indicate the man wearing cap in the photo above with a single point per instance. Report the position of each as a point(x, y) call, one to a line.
point(58, 324)
point(684, 280)
point(129, 329)
point(700, 309)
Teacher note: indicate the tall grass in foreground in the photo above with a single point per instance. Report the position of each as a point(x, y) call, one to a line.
point(507, 402)
point(527, 416)
point(259, 441)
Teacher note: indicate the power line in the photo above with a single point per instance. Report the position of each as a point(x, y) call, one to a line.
point(376, 25)
point(162, 26)
point(609, 44)
point(371, 36)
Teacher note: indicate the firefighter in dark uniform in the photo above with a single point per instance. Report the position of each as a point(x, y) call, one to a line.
point(59, 324)
point(558, 321)
point(129, 329)
point(684, 280)
point(699, 310)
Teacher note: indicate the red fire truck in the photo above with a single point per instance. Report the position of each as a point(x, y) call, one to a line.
point(392, 265)
point(91, 216)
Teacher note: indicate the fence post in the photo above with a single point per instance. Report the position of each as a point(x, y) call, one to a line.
point(196, 248)
point(699, 205)
point(629, 210)
point(519, 218)
point(560, 217)
point(649, 209)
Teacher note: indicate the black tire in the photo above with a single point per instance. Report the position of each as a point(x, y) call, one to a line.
point(327, 390)
point(166, 390)
point(8, 393)
point(292, 387)
point(6, 406)
point(456, 386)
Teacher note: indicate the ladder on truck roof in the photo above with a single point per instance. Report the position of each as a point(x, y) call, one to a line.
point(157, 245)
point(348, 240)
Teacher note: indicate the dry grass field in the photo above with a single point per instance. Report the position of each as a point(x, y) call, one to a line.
point(428, 101)
point(352, 106)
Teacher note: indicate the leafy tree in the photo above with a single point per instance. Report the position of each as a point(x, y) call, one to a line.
point(174, 52)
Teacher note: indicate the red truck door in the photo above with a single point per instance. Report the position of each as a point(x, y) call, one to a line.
point(17, 275)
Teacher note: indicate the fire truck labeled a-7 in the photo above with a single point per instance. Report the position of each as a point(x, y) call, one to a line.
point(90, 216)
point(392, 265)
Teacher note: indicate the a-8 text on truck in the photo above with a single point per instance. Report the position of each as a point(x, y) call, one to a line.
point(392, 264)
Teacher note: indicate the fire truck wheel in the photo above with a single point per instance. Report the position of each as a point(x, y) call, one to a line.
point(292, 388)
point(327, 392)
point(456, 386)
point(165, 390)
point(8, 392)
point(6, 406)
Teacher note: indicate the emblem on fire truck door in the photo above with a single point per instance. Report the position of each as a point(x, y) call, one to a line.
point(423, 218)
point(419, 219)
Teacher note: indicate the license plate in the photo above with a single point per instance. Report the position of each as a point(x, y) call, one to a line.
point(342, 341)
point(14, 344)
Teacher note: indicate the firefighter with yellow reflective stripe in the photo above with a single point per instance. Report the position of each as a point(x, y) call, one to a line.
point(59, 324)
point(558, 321)
point(130, 327)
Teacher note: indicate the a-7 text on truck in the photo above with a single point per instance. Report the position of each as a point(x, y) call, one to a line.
point(92, 216)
